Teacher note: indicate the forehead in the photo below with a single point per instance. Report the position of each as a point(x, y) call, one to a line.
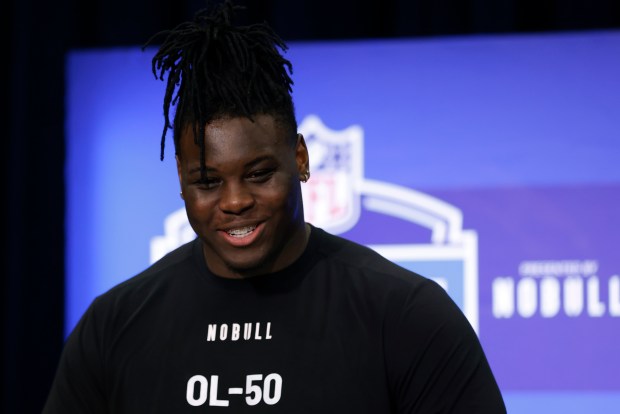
point(226, 139)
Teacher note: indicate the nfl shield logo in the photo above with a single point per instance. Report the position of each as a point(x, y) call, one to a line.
point(332, 195)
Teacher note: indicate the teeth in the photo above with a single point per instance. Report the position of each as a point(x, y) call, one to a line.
point(240, 232)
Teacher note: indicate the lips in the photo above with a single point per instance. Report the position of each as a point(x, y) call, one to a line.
point(242, 236)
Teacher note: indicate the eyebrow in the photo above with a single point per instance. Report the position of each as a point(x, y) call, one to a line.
point(249, 164)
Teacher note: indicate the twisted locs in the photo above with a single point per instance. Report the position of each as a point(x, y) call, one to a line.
point(215, 69)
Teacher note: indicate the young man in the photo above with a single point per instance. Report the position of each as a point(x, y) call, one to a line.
point(262, 313)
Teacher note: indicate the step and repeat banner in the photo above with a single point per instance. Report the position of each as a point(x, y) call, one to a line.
point(490, 164)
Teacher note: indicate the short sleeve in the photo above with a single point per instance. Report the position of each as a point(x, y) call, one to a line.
point(78, 386)
point(434, 358)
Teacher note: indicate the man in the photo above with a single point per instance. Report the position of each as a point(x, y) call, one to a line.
point(262, 313)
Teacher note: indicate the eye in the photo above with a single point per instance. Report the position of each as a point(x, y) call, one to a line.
point(208, 183)
point(262, 175)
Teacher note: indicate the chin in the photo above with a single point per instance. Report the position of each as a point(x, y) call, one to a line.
point(247, 269)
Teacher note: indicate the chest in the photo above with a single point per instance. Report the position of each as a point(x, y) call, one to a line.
point(251, 353)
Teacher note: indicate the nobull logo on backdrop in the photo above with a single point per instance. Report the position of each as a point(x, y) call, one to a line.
point(336, 194)
point(556, 288)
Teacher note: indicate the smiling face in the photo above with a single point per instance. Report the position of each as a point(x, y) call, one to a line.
point(248, 211)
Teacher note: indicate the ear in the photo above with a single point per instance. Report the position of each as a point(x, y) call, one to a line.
point(301, 155)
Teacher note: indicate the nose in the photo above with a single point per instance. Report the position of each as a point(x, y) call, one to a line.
point(235, 198)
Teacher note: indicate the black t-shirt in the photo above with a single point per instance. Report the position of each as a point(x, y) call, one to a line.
point(341, 330)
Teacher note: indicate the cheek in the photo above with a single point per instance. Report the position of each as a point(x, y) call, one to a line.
point(287, 201)
point(199, 209)
point(282, 195)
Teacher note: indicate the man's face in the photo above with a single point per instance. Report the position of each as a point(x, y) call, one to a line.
point(248, 211)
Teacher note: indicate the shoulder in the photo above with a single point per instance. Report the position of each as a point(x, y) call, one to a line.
point(160, 270)
point(362, 261)
point(173, 268)
point(401, 293)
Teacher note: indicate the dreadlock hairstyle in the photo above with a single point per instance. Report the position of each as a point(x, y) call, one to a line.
point(220, 70)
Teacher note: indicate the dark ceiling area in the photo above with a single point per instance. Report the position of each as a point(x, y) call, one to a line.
point(99, 23)
point(39, 34)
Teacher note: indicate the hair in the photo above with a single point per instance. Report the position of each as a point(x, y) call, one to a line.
point(219, 70)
